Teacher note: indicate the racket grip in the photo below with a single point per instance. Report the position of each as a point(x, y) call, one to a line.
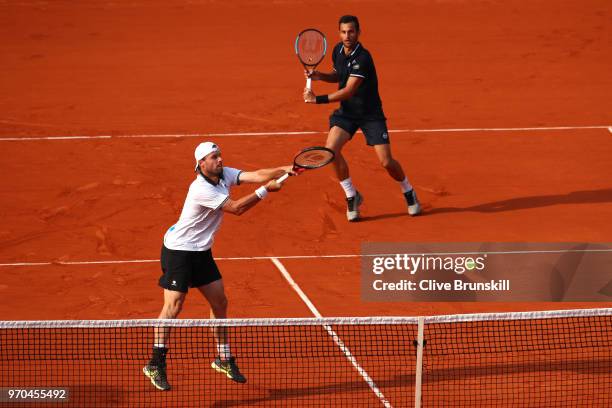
point(282, 178)
point(309, 83)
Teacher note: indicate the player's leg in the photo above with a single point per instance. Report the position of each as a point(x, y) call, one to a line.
point(174, 281)
point(393, 167)
point(173, 304)
point(209, 282)
point(336, 139)
point(156, 368)
point(377, 135)
point(224, 363)
point(340, 132)
point(214, 293)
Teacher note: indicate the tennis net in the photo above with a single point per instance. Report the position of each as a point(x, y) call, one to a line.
point(531, 359)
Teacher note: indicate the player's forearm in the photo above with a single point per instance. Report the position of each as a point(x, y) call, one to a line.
point(331, 77)
point(341, 95)
point(242, 205)
point(264, 175)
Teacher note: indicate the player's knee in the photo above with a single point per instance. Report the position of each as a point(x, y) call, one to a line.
point(334, 147)
point(219, 305)
point(335, 142)
point(387, 162)
point(172, 308)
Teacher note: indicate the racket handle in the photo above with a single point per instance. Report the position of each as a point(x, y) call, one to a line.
point(282, 178)
point(309, 83)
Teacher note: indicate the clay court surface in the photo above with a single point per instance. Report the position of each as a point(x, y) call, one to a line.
point(197, 67)
point(522, 87)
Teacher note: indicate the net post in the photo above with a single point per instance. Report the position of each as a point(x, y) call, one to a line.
point(418, 376)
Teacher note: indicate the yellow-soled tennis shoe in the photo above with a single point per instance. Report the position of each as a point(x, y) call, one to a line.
point(229, 368)
point(157, 375)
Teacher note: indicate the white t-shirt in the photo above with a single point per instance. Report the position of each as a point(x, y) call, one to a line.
point(202, 213)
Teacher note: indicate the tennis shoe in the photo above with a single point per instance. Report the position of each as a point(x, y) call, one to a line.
point(157, 375)
point(229, 368)
point(414, 207)
point(352, 204)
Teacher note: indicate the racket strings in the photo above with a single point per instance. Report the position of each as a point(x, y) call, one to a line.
point(314, 158)
point(311, 47)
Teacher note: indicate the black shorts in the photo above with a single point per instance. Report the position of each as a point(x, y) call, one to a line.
point(375, 131)
point(187, 269)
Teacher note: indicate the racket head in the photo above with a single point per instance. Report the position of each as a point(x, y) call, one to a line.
point(313, 157)
point(310, 47)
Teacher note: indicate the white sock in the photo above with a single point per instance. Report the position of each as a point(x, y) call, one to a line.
point(348, 187)
point(159, 345)
point(405, 185)
point(224, 351)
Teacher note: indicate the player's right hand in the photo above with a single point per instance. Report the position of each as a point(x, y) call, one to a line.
point(293, 171)
point(309, 96)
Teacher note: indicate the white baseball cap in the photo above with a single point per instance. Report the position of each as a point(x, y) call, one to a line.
point(203, 150)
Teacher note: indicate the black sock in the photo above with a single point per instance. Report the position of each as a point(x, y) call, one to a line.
point(159, 356)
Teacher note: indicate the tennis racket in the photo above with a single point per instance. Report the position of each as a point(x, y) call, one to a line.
point(310, 158)
point(310, 48)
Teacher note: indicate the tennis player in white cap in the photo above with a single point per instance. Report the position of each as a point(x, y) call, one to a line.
point(186, 257)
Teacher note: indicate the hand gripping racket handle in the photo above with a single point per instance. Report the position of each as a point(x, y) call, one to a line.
point(282, 178)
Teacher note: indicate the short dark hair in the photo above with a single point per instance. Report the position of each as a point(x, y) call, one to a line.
point(349, 19)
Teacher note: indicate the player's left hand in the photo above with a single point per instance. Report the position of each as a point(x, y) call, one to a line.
point(273, 186)
point(309, 96)
point(314, 75)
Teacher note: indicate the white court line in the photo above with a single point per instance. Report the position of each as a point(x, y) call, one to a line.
point(20, 139)
point(497, 129)
point(153, 136)
point(332, 333)
point(295, 133)
point(337, 256)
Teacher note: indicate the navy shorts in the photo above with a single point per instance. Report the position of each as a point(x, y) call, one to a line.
point(187, 269)
point(375, 131)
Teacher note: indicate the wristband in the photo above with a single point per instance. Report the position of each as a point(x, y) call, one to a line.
point(322, 99)
point(261, 192)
